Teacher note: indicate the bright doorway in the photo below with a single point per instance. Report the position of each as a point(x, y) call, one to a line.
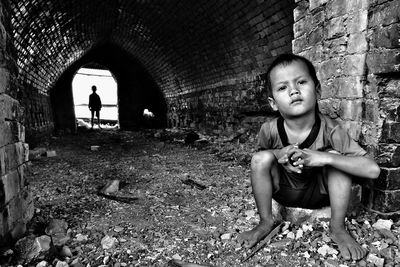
point(106, 85)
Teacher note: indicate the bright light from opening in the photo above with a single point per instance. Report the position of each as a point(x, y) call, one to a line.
point(82, 84)
point(148, 113)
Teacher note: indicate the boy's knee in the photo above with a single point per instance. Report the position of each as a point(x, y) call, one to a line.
point(262, 159)
point(337, 175)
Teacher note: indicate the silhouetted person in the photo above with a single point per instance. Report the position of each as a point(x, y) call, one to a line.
point(95, 105)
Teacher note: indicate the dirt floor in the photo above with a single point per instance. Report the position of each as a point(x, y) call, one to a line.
point(175, 202)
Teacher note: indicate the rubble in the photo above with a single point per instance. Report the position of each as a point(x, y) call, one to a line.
point(169, 222)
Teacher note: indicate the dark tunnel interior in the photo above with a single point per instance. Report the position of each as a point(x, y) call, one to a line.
point(136, 91)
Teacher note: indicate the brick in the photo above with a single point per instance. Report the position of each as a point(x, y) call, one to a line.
point(336, 8)
point(300, 11)
point(329, 88)
point(354, 65)
point(299, 44)
point(3, 225)
point(388, 179)
point(315, 36)
point(356, 5)
point(388, 156)
point(392, 88)
point(371, 111)
point(349, 87)
point(336, 47)
point(387, 37)
point(20, 209)
point(384, 15)
point(391, 132)
point(329, 107)
point(11, 184)
point(301, 27)
point(330, 68)
point(4, 80)
point(351, 109)
point(317, 3)
point(357, 43)
point(384, 61)
point(357, 22)
point(334, 28)
point(314, 54)
point(386, 201)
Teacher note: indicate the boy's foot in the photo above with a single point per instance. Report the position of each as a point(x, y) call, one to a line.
point(250, 238)
point(349, 248)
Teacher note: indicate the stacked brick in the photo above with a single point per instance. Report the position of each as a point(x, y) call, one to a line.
point(383, 61)
point(16, 207)
point(355, 46)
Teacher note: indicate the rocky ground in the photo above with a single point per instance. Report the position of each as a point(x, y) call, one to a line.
point(114, 198)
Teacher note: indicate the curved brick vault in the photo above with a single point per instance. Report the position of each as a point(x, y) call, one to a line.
point(183, 47)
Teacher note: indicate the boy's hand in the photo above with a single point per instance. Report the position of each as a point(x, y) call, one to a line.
point(309, 158)
point(288, 161)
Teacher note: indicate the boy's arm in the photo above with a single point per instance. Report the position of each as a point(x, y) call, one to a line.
point(355, 165)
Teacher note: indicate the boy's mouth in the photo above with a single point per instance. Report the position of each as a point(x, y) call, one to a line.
point(296, 100)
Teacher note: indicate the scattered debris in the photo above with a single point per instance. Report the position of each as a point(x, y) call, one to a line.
point(51, 153)
point(193, 183)
point(111, 187)
point(155, 221)
point(94, 148)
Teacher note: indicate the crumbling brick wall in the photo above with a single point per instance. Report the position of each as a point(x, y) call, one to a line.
point(355, 47)
point(383, 63)
point(16, 206)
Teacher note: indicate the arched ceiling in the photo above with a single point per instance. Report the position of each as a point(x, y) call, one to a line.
point(185, 45)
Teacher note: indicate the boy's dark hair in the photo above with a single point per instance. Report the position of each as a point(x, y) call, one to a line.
point(286, 59)
point(94, 88)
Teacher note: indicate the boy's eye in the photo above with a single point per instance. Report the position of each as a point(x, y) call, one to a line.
point(302, 82)
point(281, 88)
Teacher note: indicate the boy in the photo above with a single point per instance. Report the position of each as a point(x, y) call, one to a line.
point(95, 105)
point(306, 160)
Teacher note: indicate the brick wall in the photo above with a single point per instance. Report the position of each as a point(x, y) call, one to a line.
point(233, 96)
point(383, 61)
point(16, 206)
point(355, 47)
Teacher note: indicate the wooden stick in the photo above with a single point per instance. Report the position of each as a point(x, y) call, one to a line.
point(264, 242)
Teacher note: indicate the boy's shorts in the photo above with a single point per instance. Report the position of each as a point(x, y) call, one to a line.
point(308, 189)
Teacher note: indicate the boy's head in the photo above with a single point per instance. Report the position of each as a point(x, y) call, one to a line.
point(286, 59)
point(293, 86)
point(94, 88)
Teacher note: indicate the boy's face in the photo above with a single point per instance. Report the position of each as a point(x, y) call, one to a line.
point(293, 90)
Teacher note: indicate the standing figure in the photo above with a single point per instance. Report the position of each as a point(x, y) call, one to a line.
point(95, 105)
point(305, 159)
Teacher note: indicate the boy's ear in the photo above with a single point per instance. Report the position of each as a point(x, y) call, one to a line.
point(272, 103)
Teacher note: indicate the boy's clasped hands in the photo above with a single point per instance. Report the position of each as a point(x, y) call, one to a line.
point(295, 159)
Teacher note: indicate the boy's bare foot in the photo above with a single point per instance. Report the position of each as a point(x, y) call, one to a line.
point(255, 235)
point(349, 248)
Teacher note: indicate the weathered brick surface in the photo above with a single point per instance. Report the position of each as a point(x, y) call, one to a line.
point(386, 201)
point(15, 200)
point(388, 179)
point(359, 68)
point(383, 61)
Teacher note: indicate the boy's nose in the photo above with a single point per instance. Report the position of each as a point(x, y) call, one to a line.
point(293, 90)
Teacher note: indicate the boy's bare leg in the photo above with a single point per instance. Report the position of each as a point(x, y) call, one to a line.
point(339, 186)
point(263, 164)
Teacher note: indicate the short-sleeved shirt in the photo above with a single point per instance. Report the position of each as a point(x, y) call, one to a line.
point(326, 135)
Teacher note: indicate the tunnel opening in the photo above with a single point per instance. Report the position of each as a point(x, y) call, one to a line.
point(137, 91)
point(85, 78)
